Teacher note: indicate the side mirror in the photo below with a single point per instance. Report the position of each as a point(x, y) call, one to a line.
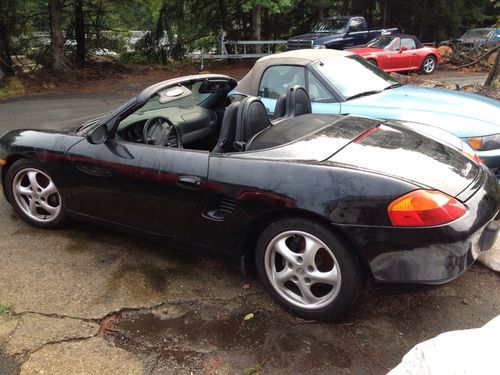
point(98, 135)
point(403, 48)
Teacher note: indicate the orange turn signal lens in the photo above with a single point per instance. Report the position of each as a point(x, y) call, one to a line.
point(3, 162)
point(475, 142)
point(424, 208)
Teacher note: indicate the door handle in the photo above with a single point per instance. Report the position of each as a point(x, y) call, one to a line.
point(189, 182)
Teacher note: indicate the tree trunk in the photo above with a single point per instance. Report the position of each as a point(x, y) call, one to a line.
point(345, 8)
point(222, 10)
point(80, 32)
point(494, 72)
point(256, 25)
point(5, 59)
point(56, 36)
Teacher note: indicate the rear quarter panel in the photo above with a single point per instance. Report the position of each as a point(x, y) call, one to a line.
point(260, 188)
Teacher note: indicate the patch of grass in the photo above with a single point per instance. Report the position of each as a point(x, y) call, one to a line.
point(11, 86)
point(5, 309)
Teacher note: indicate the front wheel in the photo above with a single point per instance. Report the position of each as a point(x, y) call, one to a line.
point(34, 195)
point(428, 65)
point(307, 269)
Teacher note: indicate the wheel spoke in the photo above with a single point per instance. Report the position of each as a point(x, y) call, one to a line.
point(310, 251)
point(284, 275)
point(305, 290)
point(282, 249)
point(33, 182)
point(48, 190)
point(23, 190)
point(47, 207)
point(330, 277)
point(33, 208)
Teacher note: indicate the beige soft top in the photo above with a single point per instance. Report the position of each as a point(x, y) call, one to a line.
point(302, 57)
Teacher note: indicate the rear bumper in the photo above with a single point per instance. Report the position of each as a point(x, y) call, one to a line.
point(432, 255)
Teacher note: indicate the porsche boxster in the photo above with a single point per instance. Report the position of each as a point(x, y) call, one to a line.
point(314, 204)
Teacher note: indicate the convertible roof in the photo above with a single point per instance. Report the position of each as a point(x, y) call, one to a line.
point(302, 57)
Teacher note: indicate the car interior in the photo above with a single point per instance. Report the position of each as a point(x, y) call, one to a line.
point(191, 116)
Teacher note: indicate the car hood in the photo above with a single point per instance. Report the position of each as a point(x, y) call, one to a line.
point(460, 113)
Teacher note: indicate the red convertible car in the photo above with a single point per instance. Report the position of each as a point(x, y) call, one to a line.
point(399, 52)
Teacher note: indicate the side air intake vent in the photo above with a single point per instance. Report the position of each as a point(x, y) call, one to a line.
point(224, 208)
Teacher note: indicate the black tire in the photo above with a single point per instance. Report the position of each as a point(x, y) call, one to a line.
point(372, 61)
point(428, 65)
point(296, 232)
point(21, 202)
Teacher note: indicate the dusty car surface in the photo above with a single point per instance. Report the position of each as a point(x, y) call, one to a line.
point(314, 204)
point(399, 52)
point(340, 82)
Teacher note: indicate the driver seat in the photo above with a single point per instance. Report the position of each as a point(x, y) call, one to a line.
point(228, 129)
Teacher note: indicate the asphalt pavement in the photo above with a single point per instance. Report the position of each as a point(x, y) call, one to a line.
point(87, 300)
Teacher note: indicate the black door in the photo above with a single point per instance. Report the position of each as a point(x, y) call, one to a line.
point(152, 188)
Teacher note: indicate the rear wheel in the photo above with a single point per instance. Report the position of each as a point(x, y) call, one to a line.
point(307, 269)
point(34, 195)
point(428, 65)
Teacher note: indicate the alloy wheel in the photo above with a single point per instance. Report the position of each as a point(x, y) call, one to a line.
point(36, 195)
point(302, 270)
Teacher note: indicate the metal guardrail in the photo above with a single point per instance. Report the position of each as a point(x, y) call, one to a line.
point(238, 49)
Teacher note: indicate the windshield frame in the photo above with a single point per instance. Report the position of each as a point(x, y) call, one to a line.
point(318, 68)
point(388, 47)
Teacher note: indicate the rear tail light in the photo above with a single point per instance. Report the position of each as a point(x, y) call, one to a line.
point(424, 208)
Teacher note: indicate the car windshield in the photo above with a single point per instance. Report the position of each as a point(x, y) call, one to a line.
point(383, 42)
point(476, 33)
point(353, 76)
point(333, 25)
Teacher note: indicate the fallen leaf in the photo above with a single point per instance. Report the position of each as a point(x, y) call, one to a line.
point(248, 316)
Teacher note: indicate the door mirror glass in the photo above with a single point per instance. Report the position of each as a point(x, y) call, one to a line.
point(98, 135)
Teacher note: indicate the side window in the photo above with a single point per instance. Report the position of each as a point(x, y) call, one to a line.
point(277, 79)
point(317, 91)
point(356, 24)
point(407, 42)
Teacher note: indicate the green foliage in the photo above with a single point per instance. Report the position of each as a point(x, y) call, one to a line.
point(178, 26)
point(5, 309)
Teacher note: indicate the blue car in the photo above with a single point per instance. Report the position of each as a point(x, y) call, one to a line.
point(343, 83)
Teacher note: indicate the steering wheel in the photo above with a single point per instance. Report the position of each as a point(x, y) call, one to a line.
point(160, 131)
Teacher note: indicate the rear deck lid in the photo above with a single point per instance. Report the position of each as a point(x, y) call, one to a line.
point(401, 152)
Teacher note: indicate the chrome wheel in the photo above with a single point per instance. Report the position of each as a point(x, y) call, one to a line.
point(302, 270)
point(36, 195)
point(429, 65)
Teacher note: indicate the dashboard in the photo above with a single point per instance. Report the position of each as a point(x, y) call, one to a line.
point(193, 122)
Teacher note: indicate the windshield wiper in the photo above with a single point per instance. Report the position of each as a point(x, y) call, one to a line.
point(394, 85)
point(366, 93)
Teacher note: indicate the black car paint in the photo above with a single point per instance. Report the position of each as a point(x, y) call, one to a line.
point(222, 201)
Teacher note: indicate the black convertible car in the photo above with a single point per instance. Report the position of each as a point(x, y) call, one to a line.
point(315, 204)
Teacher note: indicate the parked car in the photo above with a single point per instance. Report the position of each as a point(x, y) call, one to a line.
point(341, 82)
point(399, 52)
point(337, 33)
point(316, 204)
point(487, 37)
